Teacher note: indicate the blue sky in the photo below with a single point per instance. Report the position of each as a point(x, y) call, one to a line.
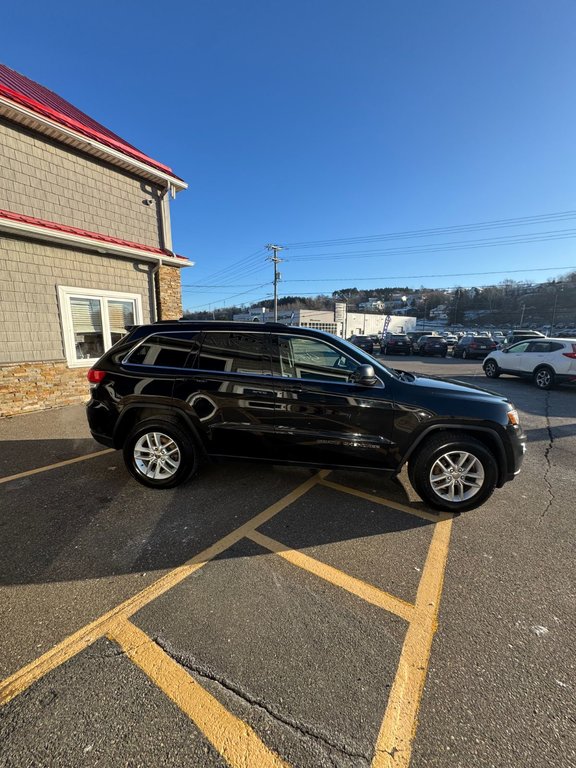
point(296, 121)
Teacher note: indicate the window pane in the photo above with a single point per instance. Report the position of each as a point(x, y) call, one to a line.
point(165, 351)
point(87, 327)
point(235, 352)
point(312, 359)
point(120, 315)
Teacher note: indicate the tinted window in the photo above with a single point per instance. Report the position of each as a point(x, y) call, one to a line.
point(539, 346)
point(521, 347)
point(304, 358)
point(166, 351)
point(235, 353)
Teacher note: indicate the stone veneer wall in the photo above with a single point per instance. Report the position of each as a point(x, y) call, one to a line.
point(169, 293)
point(26, 387)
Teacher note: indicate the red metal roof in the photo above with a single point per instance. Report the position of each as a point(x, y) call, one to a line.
point(41, 100)
point(53, 226)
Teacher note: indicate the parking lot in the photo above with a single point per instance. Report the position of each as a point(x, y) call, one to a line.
point(270, 616)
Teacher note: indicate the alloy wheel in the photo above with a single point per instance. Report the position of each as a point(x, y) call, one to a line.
point(156, 456)
point(457, 476)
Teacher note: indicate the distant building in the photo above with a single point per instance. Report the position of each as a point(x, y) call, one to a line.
point(85, 244)
point(372, 305)
point(364, 324)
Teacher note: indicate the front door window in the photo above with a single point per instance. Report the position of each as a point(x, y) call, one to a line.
point(306, 358)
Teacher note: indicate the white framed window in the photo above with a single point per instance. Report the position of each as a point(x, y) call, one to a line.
point(93, 320)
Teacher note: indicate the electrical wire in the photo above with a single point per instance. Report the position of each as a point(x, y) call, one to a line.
point(436, 231)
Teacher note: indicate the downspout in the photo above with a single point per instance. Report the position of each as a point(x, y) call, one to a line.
point(166, 234)
point(155, 290)
point(165, 195)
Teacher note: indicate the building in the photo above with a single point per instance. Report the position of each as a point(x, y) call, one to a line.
point(373, 304)
point(363, 324)
point(85, 244)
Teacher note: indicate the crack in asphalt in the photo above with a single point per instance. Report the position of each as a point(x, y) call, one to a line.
point(309, 732)
point(547, 456)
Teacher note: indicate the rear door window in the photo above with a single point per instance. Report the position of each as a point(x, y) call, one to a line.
point(235, 352)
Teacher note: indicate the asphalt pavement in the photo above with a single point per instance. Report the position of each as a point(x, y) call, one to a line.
point(286, 617)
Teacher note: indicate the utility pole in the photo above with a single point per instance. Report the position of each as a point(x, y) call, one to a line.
point(275, 260)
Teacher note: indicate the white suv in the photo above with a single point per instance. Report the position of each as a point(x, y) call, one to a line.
point(546, 361)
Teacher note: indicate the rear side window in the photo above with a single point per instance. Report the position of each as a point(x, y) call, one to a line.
point(235, 352)
point(166, 351)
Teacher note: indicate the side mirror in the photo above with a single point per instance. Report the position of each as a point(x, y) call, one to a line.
point(365, 376)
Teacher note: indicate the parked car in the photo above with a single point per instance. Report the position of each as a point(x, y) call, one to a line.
point(431, 345)
point(414, 336)
point(547, 361)
point(450, 340)
point(171, 394)
point(520, 335)
point(470, 347)
point(395, 343)
point(375, 339)
point(364, 342)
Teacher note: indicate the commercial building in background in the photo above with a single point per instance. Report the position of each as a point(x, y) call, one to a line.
point(85, 244)
point(339, 323)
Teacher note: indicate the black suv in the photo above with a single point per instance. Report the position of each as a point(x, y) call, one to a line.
point(172, 393)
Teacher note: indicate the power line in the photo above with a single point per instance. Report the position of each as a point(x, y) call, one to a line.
point(435, 231)
point(242, 293)
point(457, 245)
point(406, 277)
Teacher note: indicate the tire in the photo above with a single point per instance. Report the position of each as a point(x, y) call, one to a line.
point(491, 369)
point(431, 472)
point(177, 455)
point(464, 354)
point(544, 377)
point(445, 353)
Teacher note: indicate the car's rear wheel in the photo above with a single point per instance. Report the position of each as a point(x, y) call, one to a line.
point(491, 369)
point(544, 377)
point(453, 472)
point(160, 454)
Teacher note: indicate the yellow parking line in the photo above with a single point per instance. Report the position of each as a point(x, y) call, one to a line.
point(434, 518)
point(48, 467)
point(232, 738)
point(394, 744)
point(340, 579)
point(14, 685)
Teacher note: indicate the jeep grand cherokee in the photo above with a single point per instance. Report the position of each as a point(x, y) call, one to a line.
point(170, 394)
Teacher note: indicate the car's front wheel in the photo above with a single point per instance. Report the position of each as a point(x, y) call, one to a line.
point(160, 454)
point(544, 377)
point(453, 472)
point(491, 369)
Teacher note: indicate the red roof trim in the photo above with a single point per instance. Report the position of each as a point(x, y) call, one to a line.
point(96, 236)
point(78, 127)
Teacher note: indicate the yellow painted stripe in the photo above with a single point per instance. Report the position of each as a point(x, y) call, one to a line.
point(394, 744)
point(386, 502)
point(48, 467)
point(232, 738)
point(340, 579)
point(14, 685)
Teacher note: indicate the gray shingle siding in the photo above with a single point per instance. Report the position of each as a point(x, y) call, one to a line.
point(41, 178)
point(30, 273)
